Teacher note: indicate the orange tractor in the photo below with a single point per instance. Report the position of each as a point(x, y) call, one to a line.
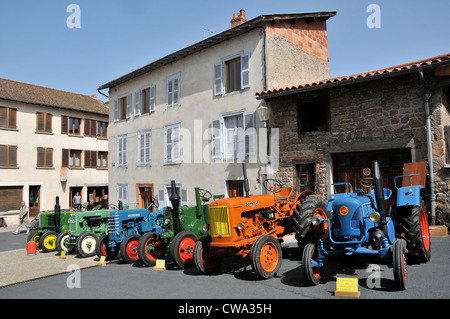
point(255, 225)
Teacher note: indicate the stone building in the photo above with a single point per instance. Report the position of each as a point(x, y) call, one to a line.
point(331, 130)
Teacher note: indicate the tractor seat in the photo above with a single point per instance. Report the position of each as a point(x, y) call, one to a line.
point(284, 193)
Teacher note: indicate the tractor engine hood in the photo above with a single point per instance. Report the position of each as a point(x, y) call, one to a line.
point(246, 203)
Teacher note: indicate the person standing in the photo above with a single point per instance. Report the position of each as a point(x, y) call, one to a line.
point(23, 218)
point(77, 201)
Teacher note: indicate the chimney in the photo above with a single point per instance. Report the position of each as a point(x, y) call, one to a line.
point(238, 19)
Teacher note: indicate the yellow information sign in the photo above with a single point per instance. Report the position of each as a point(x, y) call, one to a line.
point(347, 287)
point(160, 264)
point(63, 255)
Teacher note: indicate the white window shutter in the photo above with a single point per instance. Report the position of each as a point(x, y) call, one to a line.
point(129, 97)
point(161, 198)
point(124, 152)
point(250, 133)
point(245, 70)
point(119, 152)
point(137, 103)
point(116, 110)
point(152, 98)
point(216, 145)
point(176, 137)
point(176, 91)
point(218, 87)
point(240, 137)
point(148, 148)
point(184, 196)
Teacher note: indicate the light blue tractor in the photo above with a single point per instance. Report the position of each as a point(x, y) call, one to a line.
point(356, 223)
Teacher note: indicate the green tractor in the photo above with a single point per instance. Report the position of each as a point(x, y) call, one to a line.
point(182, 227)
point(50, 225)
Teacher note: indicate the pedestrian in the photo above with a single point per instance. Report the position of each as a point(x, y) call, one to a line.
point(77, 201)
point(23, 218)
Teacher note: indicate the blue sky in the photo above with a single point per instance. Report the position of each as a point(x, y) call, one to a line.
point(118, 36)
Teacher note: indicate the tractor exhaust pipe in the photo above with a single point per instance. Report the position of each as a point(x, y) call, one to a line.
point(57, 212)
point(246, 188)
point(379, 195)
point(175, 200)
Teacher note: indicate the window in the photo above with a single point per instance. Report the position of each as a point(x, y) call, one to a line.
point(145, 148)
point(75, 158)
point(102, 159)
point(43, 122)
point(74, 126)
point(8, 118)
point(235, 188)
point(173, 90)
point(165, 193)
point(122, 108)
point(306, 177)
point(233, 136)
point(90, 159)
point(102, 129)
point(44, 157)
point(313, 116)
point(122, 141)
point(172, 144)
point(8, 156)
point(232, 74)
point(122, 193)
point(145, 100)
point(90, 127)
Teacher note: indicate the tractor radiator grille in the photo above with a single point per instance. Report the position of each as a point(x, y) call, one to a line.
point(220, 221)
point(113, 224)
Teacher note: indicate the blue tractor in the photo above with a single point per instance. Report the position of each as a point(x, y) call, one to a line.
point(125, 227)
point(356, 223)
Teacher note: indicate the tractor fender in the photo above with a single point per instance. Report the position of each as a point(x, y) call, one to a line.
point(302, 196)
point(409, 196)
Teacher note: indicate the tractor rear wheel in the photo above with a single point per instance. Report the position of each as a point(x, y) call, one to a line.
point(417, 234)
point(150, 248)
point(34, 235)
point(312, 273)
point(47, 242)
point(206, 260)
point(399, 260)
point(266, 256)
point(302, 218)
point(182, 249)
point(128, 248)
point(62, 243)
point(86, 244)
point(102, 249)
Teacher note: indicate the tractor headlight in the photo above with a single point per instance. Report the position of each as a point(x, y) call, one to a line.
point(167, 221)
point(240, 226)
point(316, 220)
point(375, 217)
point(410, 191)
point(205, 228)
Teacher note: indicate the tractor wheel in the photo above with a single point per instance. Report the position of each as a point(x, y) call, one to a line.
point(128, 248)
point(86, 244)
point(34, 235)
point(313, 274)
point(150, 248)
point(102, 249)
point(417, 234)
point(47, 242)
point(62, 243)
point(302, 218)
point(266, 256)
point(205, 259)
point(182, 249)
point(399, 264)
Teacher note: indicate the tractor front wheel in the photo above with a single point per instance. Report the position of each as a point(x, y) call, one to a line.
point(417, 234)
point(128, 248)
point(150, 248)
point(206, 260)
point(310, 267)
point(63, 243)
point(47, 241)
point(266, 256)
point(182, 249)
point(86, 244)
point(399, 260)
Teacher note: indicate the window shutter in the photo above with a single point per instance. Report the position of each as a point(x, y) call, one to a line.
point(87, 127)
point(245, 71)
point(161, 197)
point(184, 196)
point(216, 144)
point(240, 137)
point(64, 124)
point(13, 155)
point(40, 126)
point(49, 157)
point(176, 91)
point(129, 97)
point(168, 147)
point(250, 134)
point(152, 98)
point(119, 152)
point(93, 128)
point(169, 93)
point(124, 152)
point(176, 136)
point(148, 148)
point(65, 158)
point(12, 118)
point(48, 122)
point(40, 157)
point(137, 103)
point(116, 110)
point(218, 87)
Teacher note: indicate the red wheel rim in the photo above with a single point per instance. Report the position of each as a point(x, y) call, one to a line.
point(404, 265)
point(132, 249)
point(186, 249)
point(316, 270)
point(153, 249)
point(425, 230)
point(269, 257)
point(103, 248)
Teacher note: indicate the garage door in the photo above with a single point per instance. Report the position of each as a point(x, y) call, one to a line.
point(10, 198)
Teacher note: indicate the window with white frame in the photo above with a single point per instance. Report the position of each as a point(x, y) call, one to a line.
point(165, 192)
point(122, 148)
point(145, 148)
point(144, 100)
point(122, 108)
point(173, 90)
point(122, 193)
point(232, 74)
point(172, 144)
point(233, 136)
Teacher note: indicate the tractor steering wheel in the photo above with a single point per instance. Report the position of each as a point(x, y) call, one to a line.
point(204, 194)
point(153, 201)
point(366, 182)
point(276, 187)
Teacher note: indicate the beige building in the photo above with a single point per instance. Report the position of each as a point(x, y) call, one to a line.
point(52, 143)
point(192, 116)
